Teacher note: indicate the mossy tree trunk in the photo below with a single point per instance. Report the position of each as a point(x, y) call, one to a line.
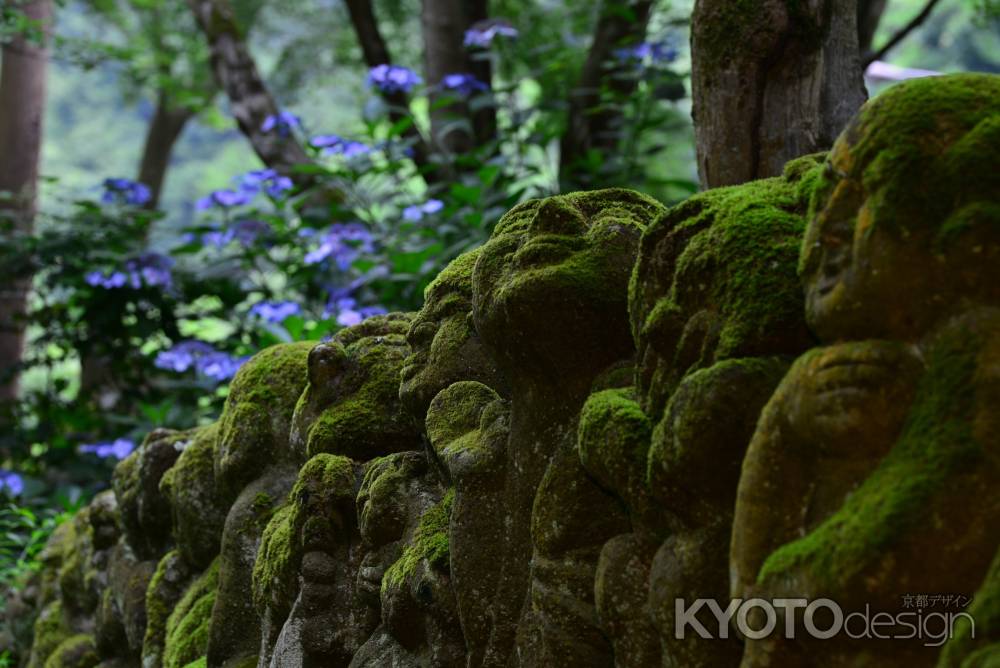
point(771, 80)
point(22, 108)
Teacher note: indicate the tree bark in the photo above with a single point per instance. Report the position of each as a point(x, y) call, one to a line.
point(164, 130)
point(22, 109)
point(375, 52)
point(771, 84)
point(869, 16)
point(591, 124)
point(236, 73)
point(454, 129)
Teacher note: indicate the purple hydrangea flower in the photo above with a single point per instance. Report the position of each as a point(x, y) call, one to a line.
point(150, 269)
point(275, 311)
point(248, 231)
point(218, 366)
point(284, 122)
point(463, 84)
point(393, 78)
point(416, 212)
point(126, 191)
point(482, 33)
point(344, 243)
point(182, 356)
point(268, 180)
point(12, 482)
point(225, 199)
point(120, 448)
point(115, 279)
point(349, 313)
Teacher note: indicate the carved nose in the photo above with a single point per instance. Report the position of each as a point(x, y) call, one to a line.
point(558, 215)
point(326, 362)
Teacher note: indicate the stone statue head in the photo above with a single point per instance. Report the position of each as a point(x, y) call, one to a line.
point(351, 405)
point(550, 285)
point(444, 345)
point(901, 218)
point(716, 280)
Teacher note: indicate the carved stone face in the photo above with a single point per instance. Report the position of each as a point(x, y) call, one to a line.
point(444, 345)
point(351, 405)
point(550, 286)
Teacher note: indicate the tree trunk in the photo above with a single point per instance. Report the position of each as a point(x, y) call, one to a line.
point(454, 130)
point(236, 73)
point(164, 131)
point(770, 84)
point(22, 109)
point(869, 16)
point(375, 52)
point(592, 124)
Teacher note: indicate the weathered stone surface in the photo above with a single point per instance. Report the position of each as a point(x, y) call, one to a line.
point(608, 407)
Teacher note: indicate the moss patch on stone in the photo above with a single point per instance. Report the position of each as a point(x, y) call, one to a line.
point(253, 429)
point(77, 651)
point(613, 441)
point(430, 544)
point(51, 629)
point(936, 444)
point(188, 624)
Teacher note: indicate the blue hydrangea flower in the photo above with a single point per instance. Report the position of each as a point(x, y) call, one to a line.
point(655, 52)
point(284, 122)
point(246, 232)
point(115, 279)
point(12, 482)
point(202, 357)
point(218, 366)
point(349, 313)
point(182, 356)
point(268, 180)
point(150, 269)
point(225, 199)
point(120, 448)
point(393, 78)
point(482, 34)
point(416, 212)
point(344, 243)
point(275, 311)
point(463, 84)
point(337, 145)
point(125, 191)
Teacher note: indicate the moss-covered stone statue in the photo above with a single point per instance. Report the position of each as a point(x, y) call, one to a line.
point(549, 296)
point(717, 316)
point(873, 471)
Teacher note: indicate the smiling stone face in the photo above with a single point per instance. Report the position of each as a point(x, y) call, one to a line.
point(907, 184)
point(445, 347)
point(549, 288)
point(351, 405)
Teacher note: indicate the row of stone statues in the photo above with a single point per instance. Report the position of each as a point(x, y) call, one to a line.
point(787, 389)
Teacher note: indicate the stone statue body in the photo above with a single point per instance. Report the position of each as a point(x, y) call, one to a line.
point(886, 427)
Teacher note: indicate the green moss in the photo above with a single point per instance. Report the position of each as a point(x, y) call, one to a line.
point(51, 629)
point(325, 486)
point(199, 663)
point(188, 624)
point(429, 544)
point(77, 651)
point(455, 278)
point(736, 255)
point(159, 603)
point(971, 650)
point(253, 429)
point(613, 441)
point(936, 444)
point(453, 418)
point(197, 505)
point(924, 152)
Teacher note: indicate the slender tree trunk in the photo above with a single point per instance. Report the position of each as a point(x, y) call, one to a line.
point(164, 130)
point(869, 16)
point(455, 129)
point(592, 123)
point(771, 84)
point(236, 73)
point(22, 109)
point(375, 52)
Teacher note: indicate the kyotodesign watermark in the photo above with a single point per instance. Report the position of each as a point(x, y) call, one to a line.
point(822, 618)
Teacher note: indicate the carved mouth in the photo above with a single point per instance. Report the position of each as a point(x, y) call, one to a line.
point(547, 249)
